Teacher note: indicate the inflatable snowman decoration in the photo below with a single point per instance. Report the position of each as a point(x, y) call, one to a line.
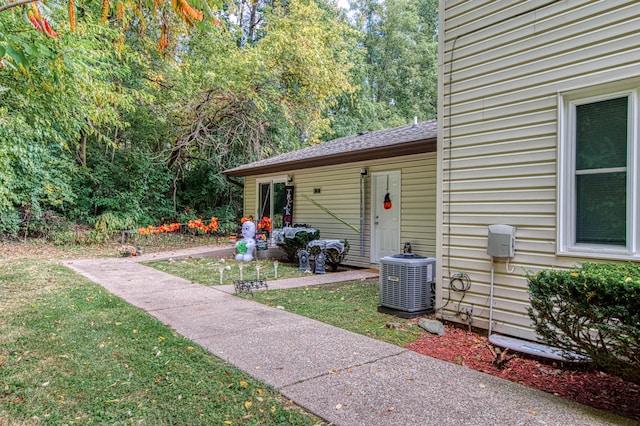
point(247, 244)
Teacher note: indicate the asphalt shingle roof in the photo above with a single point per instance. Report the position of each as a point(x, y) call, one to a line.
point(385, 143)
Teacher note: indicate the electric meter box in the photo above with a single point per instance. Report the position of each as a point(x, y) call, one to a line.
point(502, 241)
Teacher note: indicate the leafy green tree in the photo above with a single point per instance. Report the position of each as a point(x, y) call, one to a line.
point(128, 112)
point(244, 102)
point(55, 94)
point(397, 74)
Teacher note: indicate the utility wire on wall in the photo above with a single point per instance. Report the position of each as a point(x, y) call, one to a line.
point(362, 211)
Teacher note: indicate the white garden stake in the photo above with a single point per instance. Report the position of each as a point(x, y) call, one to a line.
point(240, 265)
point(221, 273)
point(258, 271)
point(275, 266)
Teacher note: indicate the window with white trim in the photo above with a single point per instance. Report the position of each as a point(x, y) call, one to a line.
point(598, 184)
point(270, 200)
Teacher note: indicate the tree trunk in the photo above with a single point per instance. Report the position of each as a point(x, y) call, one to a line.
point(82, 150)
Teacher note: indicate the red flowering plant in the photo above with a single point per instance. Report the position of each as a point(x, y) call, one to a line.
point(149, 230)
point(265, 225)
point(196, 224)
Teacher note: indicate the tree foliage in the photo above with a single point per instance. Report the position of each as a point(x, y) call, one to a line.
point(397, 72)
point(261, 98)
point(134, 109)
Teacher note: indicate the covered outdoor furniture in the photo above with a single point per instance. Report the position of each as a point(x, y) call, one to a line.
point(334, 250)
point(279, 235)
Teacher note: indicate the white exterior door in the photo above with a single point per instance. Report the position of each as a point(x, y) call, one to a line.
point(385, 229)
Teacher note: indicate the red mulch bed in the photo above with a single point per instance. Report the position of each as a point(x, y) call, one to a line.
point(593, 388)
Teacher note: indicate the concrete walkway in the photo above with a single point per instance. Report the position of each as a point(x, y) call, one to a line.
point(342, 377)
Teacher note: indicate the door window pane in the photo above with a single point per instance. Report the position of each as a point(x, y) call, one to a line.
point(279, 201)
point(271, 201)
point(264, 208)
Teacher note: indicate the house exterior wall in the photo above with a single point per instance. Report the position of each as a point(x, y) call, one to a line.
point(340, 193)
point(503, 68)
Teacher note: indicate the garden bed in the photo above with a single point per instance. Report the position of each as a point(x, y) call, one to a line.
point(593, 388)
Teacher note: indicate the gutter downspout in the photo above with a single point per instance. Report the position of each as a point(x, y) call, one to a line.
point(362, 212)
point(235, 182)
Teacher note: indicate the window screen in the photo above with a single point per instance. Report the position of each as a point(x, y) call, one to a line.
point(601, 172)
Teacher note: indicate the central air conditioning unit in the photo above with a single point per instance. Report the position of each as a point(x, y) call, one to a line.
point(407, 285)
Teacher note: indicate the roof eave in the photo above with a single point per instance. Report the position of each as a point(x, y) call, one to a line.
point(407, 148)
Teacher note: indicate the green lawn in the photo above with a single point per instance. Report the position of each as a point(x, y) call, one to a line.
point(71, 353)
point(350, 305)
point(207, 271)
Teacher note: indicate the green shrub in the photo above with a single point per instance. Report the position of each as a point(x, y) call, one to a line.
point(591, 311)
point(109, 225)
point(300, 241)
point(64, 232)
point(10, 222)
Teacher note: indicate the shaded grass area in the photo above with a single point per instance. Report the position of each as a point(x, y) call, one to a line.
point(350, 305)
point(71, 353)
point(206, 271)
point(35, 248)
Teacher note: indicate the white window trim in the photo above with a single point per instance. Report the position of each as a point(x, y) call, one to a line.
point(566, 210)
point(271, 180)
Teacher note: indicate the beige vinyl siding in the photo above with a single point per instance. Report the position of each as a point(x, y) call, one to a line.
point(250, 195)
point(502, 66)
point(418, 214)
point(340, 193)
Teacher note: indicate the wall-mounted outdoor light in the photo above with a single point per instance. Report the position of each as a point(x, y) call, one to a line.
point(289, 179)
point(364, 172)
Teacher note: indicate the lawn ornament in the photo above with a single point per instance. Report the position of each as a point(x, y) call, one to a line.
point(303, 255)
point(247, 244)
point(321, 260)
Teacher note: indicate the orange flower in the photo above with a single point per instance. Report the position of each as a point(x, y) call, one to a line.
point(175, 226)
point(72, 15)
point(105, 11)
point(265, 224)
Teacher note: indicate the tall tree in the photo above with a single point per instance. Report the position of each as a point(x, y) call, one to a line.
point(262, 98)
point(128, 108)
point(397, 76)
point(58, 93)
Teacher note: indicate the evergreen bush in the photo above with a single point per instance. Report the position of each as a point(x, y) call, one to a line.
point(299, 242)
point(592, 311)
